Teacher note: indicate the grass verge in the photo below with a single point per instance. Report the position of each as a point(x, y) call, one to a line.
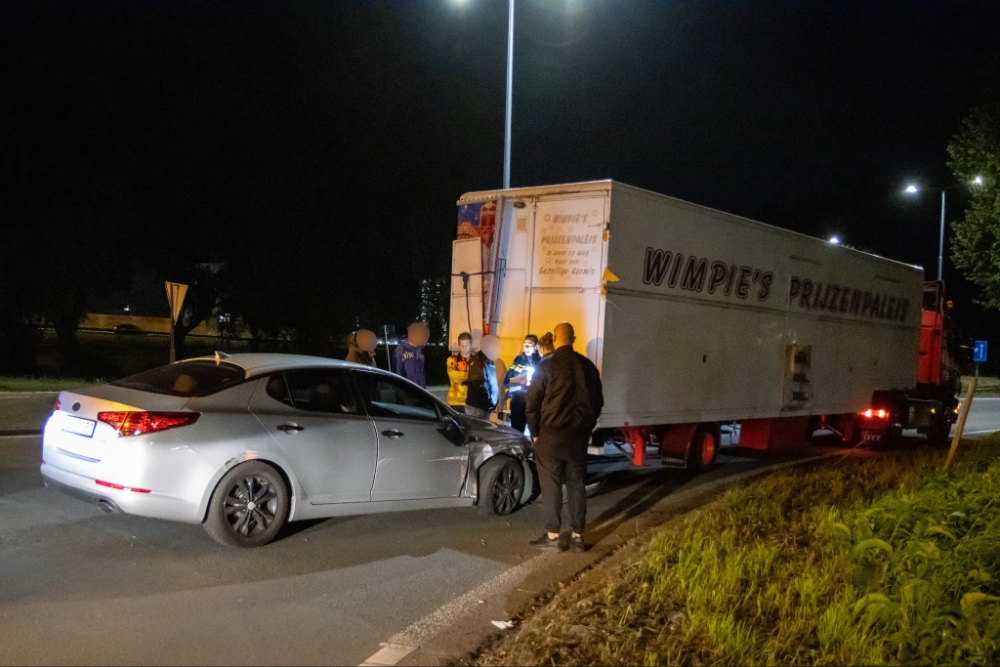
point(986, 386)
point(886, 561)
point(8, 383)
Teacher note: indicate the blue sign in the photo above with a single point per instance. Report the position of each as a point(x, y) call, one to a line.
point(979, 351)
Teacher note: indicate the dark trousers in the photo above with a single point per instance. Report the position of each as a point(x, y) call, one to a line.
point(559, 463)
point(519, 410)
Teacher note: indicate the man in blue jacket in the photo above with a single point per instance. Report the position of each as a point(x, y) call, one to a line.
point(409, 357)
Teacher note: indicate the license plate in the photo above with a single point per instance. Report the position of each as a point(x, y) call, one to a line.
point(79, 426)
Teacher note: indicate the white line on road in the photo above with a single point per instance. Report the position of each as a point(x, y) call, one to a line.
point(406, 642)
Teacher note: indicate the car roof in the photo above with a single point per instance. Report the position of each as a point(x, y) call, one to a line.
point(260, 363)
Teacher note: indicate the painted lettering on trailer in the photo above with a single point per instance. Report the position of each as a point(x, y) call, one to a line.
point(695, 274)
point(846, 300)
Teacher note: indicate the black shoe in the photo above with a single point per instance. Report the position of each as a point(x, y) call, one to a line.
point(576, 544)
point(545, 543)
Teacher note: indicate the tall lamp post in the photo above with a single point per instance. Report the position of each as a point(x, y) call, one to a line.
point(912, 190)
point(510, 90)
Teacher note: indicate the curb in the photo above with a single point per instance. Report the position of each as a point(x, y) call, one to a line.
point(517, 606)
point(21, 432)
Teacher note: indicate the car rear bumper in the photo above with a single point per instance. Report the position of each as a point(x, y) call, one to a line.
point(99, 499)
point(154, 505)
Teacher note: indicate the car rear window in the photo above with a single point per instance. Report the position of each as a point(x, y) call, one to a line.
point(187, 379)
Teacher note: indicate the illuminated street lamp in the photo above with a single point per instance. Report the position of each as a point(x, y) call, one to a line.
point(834, 240)
point(913, 189)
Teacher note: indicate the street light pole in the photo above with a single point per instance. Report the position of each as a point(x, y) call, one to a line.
point(510, 86)
point(912, 189)
point(941, 242)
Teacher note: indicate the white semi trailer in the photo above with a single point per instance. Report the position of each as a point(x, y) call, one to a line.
point(697, 318)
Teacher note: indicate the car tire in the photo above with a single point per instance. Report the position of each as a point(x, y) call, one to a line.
point(705, 447)
point(248, 507)
point(501, 485)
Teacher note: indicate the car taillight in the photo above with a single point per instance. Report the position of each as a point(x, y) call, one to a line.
point(119, 487)
point(57, 405)
point(140, 422)
point(875, 414)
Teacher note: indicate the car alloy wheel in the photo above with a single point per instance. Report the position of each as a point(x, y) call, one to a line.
point(251, 505)
point(501, 483)
point(506, 490)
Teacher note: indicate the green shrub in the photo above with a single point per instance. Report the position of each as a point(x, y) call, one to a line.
point(879, 561)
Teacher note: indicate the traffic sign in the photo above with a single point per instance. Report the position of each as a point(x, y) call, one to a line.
point(979, 351)
point(175, 297)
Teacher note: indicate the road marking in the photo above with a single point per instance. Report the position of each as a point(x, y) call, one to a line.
point(406, 642)
point(992, 430)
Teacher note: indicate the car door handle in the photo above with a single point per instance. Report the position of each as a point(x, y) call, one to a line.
point(392, 434)
point(290, 427)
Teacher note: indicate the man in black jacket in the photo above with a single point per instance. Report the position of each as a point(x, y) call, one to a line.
point(484, 391)
point(564, 401)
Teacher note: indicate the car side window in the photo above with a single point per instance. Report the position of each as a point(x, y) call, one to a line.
point(387, 397)
point(314, 390)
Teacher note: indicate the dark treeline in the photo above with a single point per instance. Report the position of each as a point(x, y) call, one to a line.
point(275, 141)
point(315, 150)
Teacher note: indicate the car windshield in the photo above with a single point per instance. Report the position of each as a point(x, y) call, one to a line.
point(185, 379)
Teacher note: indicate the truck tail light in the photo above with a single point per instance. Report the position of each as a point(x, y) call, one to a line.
point(875, 413)
point(140, 422)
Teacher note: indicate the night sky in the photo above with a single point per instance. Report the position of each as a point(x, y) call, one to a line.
point(319, 148)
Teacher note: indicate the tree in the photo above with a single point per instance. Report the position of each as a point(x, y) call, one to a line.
point(207, 288)
point(975, 159)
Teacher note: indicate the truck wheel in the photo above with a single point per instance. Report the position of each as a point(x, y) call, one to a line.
point(851, 430)
point(501, 483)
point(248, 507)
point(704, 447)
point(937, 430)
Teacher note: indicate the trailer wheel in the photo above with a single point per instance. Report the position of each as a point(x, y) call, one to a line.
point(704, 447)
point(937, 430)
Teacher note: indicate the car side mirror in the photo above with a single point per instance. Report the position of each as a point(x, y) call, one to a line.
point(452, 430)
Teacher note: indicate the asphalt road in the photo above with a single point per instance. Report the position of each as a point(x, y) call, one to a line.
point(984, 417)
point(78, 586)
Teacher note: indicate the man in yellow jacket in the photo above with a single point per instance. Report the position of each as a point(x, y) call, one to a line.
point(458, 372)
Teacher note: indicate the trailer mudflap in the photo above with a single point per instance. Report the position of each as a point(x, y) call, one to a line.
point(675, 444)
point(777, 433)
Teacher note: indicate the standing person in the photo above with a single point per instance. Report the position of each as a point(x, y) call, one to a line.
point(409, 357)
point(564, 401)
point(361, 347)
point(545, 344)
point(517, 380)
point(484, 391)
point(458, 372)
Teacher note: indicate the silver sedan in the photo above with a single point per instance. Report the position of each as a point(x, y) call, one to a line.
point(244, 443)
